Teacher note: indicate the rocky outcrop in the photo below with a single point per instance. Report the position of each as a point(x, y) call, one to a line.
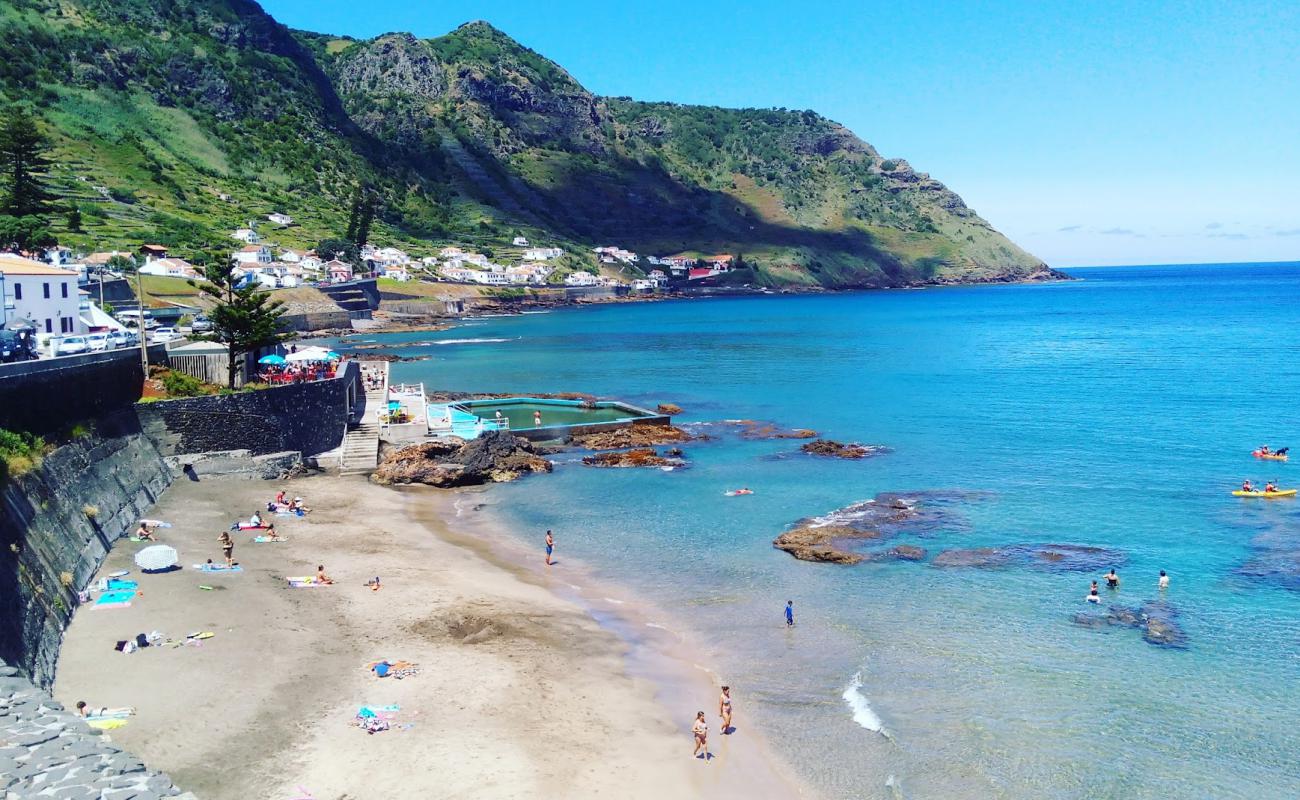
point(494, 457)
point(812, 543)
point(1156, 620)
point(825, 538)
point(397, 63)
point(753, 429)
point(671, 409)
point(636, 436)
point(1052, 557)
point(833, 449)
point(641, 457)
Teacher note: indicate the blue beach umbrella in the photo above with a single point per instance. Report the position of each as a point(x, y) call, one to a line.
point(333, 356)
point(273, 360)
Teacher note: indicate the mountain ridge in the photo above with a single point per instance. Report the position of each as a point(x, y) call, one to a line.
point(468, 137)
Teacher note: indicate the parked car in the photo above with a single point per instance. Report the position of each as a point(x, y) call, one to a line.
point(70, 346)
point(159, 335)
point(118, 338)
point(201, 324)
point(98, 342)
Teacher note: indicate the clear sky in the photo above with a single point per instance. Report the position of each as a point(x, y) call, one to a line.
point(1089, 132)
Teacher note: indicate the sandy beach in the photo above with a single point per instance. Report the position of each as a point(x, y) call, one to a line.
point(520, 692)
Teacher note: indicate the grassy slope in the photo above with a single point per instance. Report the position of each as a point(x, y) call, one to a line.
point(157, 108)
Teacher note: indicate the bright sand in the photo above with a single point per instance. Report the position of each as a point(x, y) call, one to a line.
point(521, 693)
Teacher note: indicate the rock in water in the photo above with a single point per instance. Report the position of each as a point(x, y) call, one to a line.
point(494, 457)
point(645, 457)
point(633, 436)
point(671, 409)
point(833, 449)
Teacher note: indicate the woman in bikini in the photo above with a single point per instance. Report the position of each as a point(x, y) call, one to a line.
point(143, 533)
point(227, 548)
point(701, 730)
point(724, 709)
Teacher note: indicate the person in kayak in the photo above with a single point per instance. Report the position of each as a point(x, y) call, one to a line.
point(1263, 450)
point(1247, 486)
point(1270, 486)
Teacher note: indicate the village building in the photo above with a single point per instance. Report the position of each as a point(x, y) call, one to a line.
point(581, 279)
point(519, 241)
point(246, 235)
point(45, 295)
point(153, 251)
point(252, 254)
point(337, 271)
point(280, 219)
point(170, 267)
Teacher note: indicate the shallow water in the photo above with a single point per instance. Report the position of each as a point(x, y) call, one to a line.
point(1117, 411)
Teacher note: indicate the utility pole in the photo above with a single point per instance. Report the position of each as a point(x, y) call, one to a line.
point(144, 343)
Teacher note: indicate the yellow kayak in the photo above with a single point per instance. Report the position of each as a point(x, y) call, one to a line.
point(1278, 493)
point(1269, 456)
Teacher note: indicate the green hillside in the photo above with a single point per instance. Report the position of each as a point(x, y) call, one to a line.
point(159, 108)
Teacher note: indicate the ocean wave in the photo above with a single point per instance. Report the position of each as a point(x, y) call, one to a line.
point(862, 713)
point(468, 341)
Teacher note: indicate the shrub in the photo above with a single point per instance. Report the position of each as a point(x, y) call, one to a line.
point(178, 384)
point(19, 453)
point(90, 511)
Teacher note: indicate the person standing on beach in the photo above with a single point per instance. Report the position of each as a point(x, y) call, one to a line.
point(789, 613)
point(537, 419)
point(1164, 580)
point(724, 709)
point(701, 731)
point(550, 547)
point(227, 548)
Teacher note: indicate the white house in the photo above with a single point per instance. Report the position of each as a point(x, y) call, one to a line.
point(519, 241)
point(395, 272)
point(43, 294)
point(170, 267)
point(581, 279)
point(491, 278)
point(457, 273)
point(290, 256)
point(609, 255)
point(542, 253)
point(644, 285)
point(338, 271)
point(246, 235)
point(310, 262)
point(280, 219)
point(252, 254)
point(477, 259)
point(391, 255)
point(451, 252)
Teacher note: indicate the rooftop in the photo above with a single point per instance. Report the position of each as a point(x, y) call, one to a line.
point(11, 264)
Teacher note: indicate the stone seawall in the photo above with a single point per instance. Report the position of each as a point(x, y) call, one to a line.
point(58, 522)
point(48, 395)
point(309, 418)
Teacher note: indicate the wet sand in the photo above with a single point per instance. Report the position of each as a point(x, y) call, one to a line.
point(521, 692)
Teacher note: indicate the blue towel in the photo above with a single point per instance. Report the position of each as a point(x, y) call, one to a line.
point(113, 583)
point(113, 598)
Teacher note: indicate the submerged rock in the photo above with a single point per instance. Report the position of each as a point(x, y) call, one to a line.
point(1156, 620)
point(634, 436)
point(833, 449)
point(645, 457)
point(818, 543)
point(1051, 557)
point(494, 457)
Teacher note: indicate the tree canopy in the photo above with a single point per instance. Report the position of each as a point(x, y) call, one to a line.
point(25, 164)
point(244, 318)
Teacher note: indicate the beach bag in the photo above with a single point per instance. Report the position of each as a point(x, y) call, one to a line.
point(381, 670)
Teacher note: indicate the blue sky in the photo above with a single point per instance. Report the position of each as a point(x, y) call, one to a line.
point(1089, 132)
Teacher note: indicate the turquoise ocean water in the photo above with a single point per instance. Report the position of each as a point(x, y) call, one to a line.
point(1116, 411)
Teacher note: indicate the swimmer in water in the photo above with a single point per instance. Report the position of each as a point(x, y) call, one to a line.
point(1112, 580)
point(1093, 597)
point(1164, 580)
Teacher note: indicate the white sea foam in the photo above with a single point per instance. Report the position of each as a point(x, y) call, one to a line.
point(862, 713)
point(468, 341)
point(612, 600)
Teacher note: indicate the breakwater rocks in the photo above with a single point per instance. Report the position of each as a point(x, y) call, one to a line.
point(494, 457)
point(1157, 620)
point(1052, 557)
point(885, 516)
point(49, 752)
point(833, 449)
point(635, 436)
point(641, 457)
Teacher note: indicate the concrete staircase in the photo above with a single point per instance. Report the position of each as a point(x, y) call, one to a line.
point(360, 448)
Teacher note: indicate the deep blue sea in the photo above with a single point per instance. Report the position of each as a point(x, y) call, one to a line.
point(1115, 411)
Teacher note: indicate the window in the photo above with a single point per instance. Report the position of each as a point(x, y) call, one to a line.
point(18, 291)
point(49, 325)
point(47, 291)
point(65, 290)
point(65, 324)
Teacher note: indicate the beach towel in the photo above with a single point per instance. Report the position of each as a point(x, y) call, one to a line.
point(105, 724)
point(305, 582)
point(245, 526)
point(265, 539)
point(155, 523)
point(115, 599)
point(218, 568)
point(114, 583)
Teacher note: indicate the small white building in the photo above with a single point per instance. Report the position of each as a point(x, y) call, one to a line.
point(252, 254)
point(43, 294)
point(290, 256)
point(581, 279)
point(542, 253)
point(644, 285)
point(246, 235)
point(491, 278)
point(451, 252)
point(170, 267)
point(310, 262)
point(280, 219)
point(390, 255)
point(457, 273)
point(519, 241)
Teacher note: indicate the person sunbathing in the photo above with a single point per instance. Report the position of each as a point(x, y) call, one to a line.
point(144, 533)
point(272, 534)
point(321, 577)
point(86, 712)
point(298, 507)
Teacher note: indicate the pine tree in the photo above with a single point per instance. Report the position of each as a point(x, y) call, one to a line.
point(354, 216)
point(244, 318)
point(24, 159)
point(74, 220)
point(368, 207)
